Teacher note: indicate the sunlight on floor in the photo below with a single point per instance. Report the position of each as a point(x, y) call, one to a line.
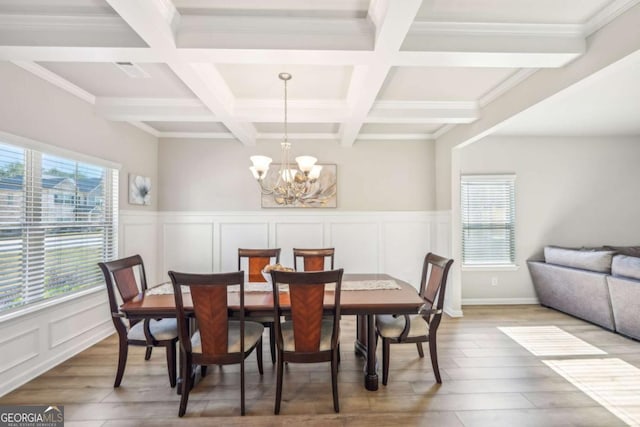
point(549, 341)
point(613, 383)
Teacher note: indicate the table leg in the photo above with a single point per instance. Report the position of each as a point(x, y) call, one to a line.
point(371, 376)
point(360, 345)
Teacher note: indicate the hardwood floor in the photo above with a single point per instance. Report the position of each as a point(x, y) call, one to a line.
point(488, 380)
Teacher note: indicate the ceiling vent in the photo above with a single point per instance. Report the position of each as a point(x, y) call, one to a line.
point(133, 70)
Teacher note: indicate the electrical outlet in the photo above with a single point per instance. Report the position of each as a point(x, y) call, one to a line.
point(494, 281)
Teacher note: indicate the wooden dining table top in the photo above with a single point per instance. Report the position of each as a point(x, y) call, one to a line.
point(372, 301)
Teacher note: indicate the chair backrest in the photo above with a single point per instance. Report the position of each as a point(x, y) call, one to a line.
point(435, 270)
point(307, 306)
point(124, 275)
point(257, 259)
point(211, 310)
point(313, 259)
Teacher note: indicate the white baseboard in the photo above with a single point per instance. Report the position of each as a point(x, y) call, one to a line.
point(499, 301)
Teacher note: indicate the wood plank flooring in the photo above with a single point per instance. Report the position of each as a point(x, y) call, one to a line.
point(488, 380)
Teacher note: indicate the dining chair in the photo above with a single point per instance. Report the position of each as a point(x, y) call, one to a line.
point(124, 275)
point(219, 340)
point(256, 260)
point(313, 259)
point(313, 332)
point(421, 327)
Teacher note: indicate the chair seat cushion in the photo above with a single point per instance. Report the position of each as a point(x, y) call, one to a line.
point(325, 335)
point(163, 329)
point(252, 333)
point(391, 326)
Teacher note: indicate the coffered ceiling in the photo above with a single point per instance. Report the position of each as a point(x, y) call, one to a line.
point(362, 69)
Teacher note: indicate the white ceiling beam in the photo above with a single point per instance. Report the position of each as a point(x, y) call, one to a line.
point(207, 83)
point(56, 80)
point(393, 20)
point(423, 112)
point(270, 111)
point(153, 109)
point(155, 22)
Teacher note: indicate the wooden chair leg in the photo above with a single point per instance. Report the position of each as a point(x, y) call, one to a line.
point(420, 351)
point(147, 354)
point(386, 349)
point(334, 381)
point(187, 382)
point(434, 358)
point(259, 356)
point(171, 362)
point(272, 342)
point(122, 361)
point(279, 374)
point(242, 387)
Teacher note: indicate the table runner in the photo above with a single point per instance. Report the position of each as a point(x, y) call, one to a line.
point(347, 285)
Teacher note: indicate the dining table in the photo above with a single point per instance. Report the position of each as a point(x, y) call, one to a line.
point(363, 298)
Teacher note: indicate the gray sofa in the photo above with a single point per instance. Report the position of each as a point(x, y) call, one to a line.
point(599, 285)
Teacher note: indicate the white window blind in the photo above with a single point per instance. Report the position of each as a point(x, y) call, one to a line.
point(58, 219)
point(488, 219)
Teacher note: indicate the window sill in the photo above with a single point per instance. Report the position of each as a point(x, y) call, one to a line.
point(510, 267)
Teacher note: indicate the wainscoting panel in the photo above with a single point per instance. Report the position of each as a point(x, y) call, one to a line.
point(187, 247)
point(35, 340)
point(365, 242)
point(356, 246)
point(291, 235)
point(413, 240)
point(19, 348)
point(242, 235)
point(139, 236)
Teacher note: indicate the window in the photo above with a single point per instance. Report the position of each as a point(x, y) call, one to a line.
point(488, 220)
point(58, 219)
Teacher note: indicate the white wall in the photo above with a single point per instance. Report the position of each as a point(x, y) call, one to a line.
point(569, 192)
point(202, 175)
point(35, 109)
point(34, 342)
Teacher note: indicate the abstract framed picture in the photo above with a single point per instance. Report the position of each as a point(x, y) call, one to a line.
point(322, 193)
point(139, 190)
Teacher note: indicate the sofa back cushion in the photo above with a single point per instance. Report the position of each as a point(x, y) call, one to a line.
point(626, 266)
point(592, 260)
point(625, 250)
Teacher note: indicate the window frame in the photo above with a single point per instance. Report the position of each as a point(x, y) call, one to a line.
point(34, 151)
point(495, 264)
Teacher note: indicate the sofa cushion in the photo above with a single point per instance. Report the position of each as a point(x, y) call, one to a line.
point(626, 266)
point(625, 250)
point(591, 260)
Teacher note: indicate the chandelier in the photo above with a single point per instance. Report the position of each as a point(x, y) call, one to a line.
point(291, 186)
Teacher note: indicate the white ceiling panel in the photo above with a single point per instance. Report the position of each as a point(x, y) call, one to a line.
point(511, 11)
point(441, 84)
point(57, 7)
point(308, 82)
point(108, 80)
